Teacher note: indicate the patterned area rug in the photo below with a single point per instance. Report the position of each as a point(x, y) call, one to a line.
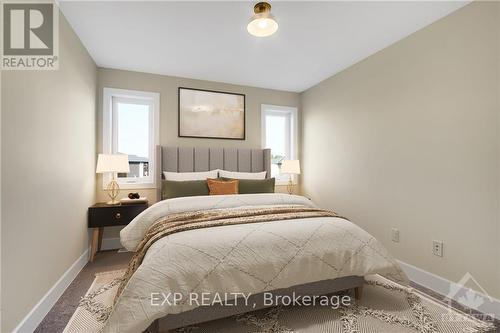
point(385, 307)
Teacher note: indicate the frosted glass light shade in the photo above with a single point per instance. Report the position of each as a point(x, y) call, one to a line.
point(112, 163)
point(290, 167)
point(262, 25)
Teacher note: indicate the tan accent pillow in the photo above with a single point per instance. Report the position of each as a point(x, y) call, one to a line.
point(219, 187)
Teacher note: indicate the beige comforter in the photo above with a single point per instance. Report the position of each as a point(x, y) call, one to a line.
point(240, 258)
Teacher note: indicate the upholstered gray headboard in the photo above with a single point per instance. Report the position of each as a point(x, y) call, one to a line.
point(189, 159)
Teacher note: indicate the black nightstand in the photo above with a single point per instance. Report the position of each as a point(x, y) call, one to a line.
point(102, 215)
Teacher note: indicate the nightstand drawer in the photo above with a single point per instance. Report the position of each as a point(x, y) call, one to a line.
point(105, 216)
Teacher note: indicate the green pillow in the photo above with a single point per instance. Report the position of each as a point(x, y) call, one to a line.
point(248, 186)
point(187, 188)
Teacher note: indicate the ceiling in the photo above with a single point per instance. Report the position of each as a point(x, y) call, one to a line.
point(208, 40)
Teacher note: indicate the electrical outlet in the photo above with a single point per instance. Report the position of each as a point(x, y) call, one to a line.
point(437, 248)
point(395, 235)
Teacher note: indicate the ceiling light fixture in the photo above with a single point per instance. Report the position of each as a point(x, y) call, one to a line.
point(262, 23)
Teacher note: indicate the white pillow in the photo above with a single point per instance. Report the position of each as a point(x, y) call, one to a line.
point(181, 176)
point(242, 175)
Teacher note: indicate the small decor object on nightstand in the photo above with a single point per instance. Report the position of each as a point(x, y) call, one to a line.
point(112, 163)
point(135, 195)
point(290, 167)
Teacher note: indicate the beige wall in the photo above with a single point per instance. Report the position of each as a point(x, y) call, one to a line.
point(167, 86)
point(48, 180)
point(498, 89)
point(409, 138)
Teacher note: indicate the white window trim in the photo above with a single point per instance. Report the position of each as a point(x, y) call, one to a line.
point(293, 111)
point(107, 140)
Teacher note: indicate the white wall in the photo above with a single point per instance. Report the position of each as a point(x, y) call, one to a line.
point(48, 180)
point(409, 138)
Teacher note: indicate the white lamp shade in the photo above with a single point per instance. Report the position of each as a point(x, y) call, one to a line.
point(112, 163)
point(290, 167)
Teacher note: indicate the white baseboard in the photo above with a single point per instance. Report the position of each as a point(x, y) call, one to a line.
point(454, 290)
point(40, 310)
point(111, 244)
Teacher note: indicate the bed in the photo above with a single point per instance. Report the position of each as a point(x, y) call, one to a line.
point(245, 244)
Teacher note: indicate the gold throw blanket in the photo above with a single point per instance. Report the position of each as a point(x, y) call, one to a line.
point(179, 222)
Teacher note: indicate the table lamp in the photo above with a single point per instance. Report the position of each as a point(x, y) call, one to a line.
point(291, 167)
point(112, 163)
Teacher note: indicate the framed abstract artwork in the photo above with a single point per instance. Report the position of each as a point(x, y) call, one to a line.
point(211, 114)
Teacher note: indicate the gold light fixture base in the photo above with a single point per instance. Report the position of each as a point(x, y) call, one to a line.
point(261, 7)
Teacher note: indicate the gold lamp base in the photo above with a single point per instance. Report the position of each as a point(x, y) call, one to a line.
point(113, 190)
point(113, 202)
point(290, 187)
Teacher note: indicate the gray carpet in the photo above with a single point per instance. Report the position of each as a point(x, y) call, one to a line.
point(57, 318)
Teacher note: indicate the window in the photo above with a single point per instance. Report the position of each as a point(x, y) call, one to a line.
point(130, 126)
point(279, 133)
